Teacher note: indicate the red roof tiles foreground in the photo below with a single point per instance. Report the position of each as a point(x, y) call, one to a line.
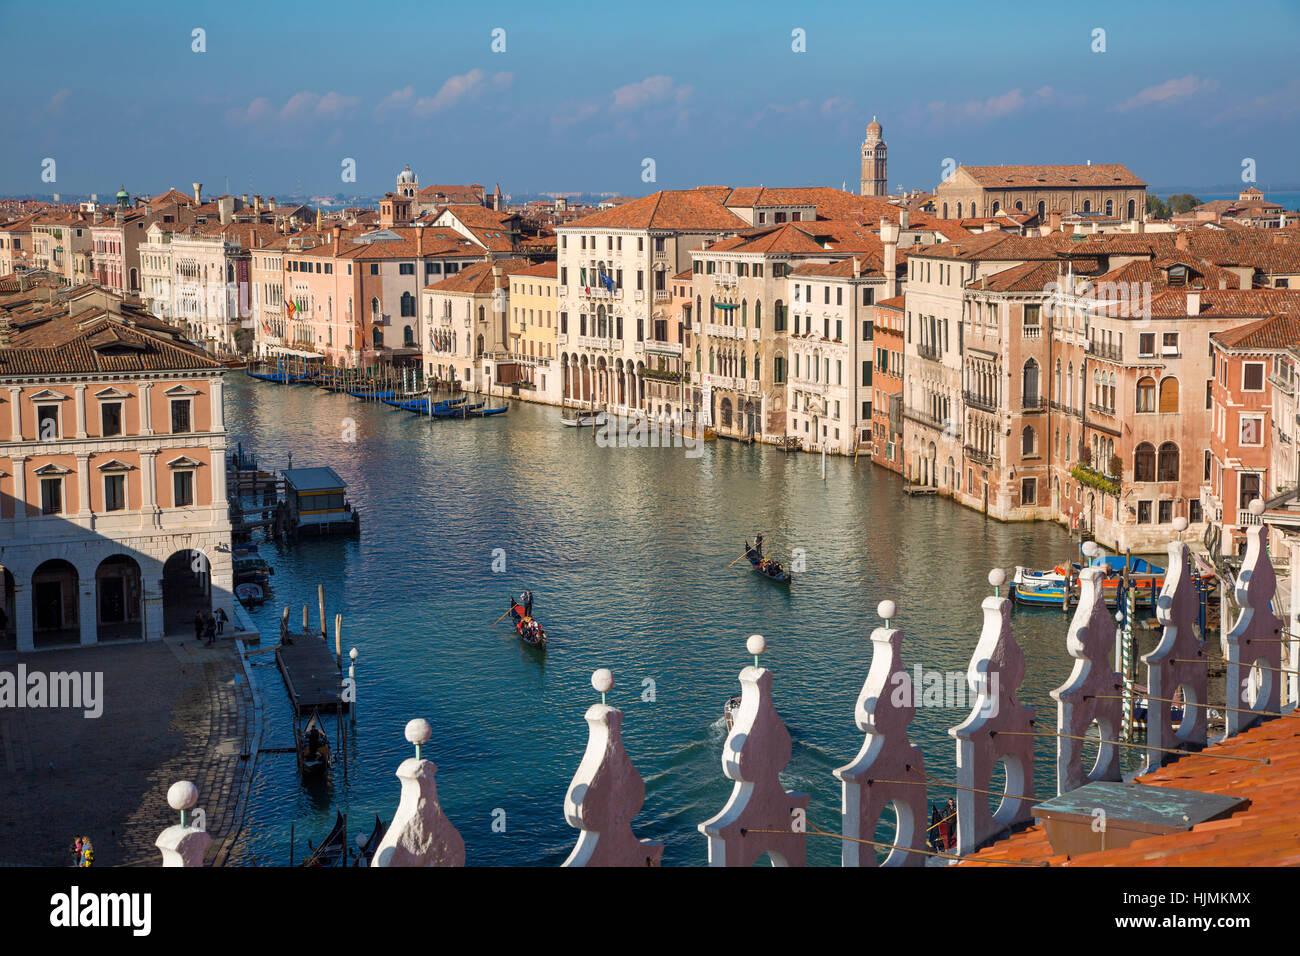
point(1265, 833)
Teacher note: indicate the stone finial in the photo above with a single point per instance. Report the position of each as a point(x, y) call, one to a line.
point(420, 834)
point(754, 754)
point(1256, 638)
point(183, 844)
point(885, 708)
point(1092, 691)
point(994, 676)
point(607, 793)
point(1177, 661)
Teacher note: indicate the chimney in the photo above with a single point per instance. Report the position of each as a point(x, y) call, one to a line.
point(270, 204)
point(198, 189)
point(889, 236)
point(96, 216)
point(1193, 303)
point(857, 269)
point(419, 239)
point(1054, 220)
point(244, 200)
point(904, 219)
point(338, 236)
point(257, 203)
point(1180, 242)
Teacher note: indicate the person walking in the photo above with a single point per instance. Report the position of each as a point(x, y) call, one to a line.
point(198, 625)
point(221, 621)
point(210, 629)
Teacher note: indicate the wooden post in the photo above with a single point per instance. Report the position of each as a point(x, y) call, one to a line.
point(338, 639)
point(304, 619)
point(320, 599)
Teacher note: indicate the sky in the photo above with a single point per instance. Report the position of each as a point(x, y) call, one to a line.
point(596, 98)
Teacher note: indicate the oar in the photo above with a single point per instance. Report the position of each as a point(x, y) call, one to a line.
point(745, 555)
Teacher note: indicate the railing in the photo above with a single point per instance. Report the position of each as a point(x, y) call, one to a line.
point(660, 254)
point(1101, 410)
point(714, 331)
point(1112, 353)
point(1063, 407)
point(1032, 331)
point(639, 296)
point(982, 457)
point(1031, 404)
point(975, 400)
point(663, 295)
point(561, 338)
point(1282, 385)
point(663, 348)
point(930, 352)
point(593, 342)
point(723, 281)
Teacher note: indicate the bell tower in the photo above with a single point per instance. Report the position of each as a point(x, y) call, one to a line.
point(874, 176)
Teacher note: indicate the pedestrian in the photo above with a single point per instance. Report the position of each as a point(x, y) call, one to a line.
point(76, 852)
point(210, 629)
point(87, 852)
point(198, 625)
point(221, 621)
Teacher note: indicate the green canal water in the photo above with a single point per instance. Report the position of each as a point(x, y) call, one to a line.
point(626, 551)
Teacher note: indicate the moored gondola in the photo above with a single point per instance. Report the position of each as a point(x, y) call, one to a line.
point(528, 628)
point(766, 567)
point(366, 851)
point(333, 849)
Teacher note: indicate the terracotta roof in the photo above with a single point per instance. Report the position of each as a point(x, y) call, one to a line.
point(843, 269)
point(896, 303)
point(1053, 177)
point(545, 270)
point(472, 193)
point(1276, 332)
point(1266, 832)
point(478, 278)
point(683, 210)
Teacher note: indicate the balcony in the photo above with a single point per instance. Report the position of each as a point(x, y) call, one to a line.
point(725, 281)
point(930, 352)
point(1032, 331)
point(663, 295)
point(661, 255)
point(1032, 405)
point(639, 295)
point(598, 344)
point(1286, 387)
point(1101, 410)
point(714, 331)
point(663, 348)
point(975, 400)
point(1111, 353)
point(1063, 407)
point(561, 338)
point(981, 457)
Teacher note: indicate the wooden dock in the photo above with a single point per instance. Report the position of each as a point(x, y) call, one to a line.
point(920, 490)
point(311, 675)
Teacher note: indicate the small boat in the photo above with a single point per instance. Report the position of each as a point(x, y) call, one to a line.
point(528, 628)
point(278, 378)
point(366, 850)
point(1047, 588)
point(451, 402)
point(314, 749)
point(700, 432)
point(249, 594)
point(333, 850)
point(252, 570)
point(729, 710)
point(456, 411)
point(585, 421)
point(768, 568)
point(378, 396)
point(484, 413)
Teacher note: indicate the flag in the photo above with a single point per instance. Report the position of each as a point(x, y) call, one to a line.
point(606, 281)
point(290, 308)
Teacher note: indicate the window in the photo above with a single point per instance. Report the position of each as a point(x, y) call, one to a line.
point(1146, 395)
point(1030, 376)
point(1167, 469)
point(180, 415)
point(110, 417)
point(1194, 511)
point(1252, 377)
point(1144, 462)
point(1027, 441)
point(406, 268)
point(47, 422)
point(182, 489)
point(51, 496)
point(1248, 485)
point(1144, 512)
point(1169, 343)
point(1251, 429)
point(1168, 394)
point(1029, 491)
point(374, 268)
point(114, 492)
point(1146, 343)
point(1165, 511)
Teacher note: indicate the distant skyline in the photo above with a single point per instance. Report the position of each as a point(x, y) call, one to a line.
point(714, 94)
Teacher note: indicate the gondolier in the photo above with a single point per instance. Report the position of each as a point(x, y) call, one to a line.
point(758, 544)
point(526, 599)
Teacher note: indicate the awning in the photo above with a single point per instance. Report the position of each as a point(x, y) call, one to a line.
point(296, 353)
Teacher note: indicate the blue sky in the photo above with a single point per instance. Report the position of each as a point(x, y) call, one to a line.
point(582, 95)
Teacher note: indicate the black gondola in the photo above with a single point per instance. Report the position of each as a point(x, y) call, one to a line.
point(528, 628)
point(768, 568)
point(333, 849)
point(367, 852)
point(730, 709)
point(314, 756)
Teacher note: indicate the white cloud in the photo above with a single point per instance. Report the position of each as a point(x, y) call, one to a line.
point(456, 90)
point(651, 91)
point(1166, 92)
point(301, 106)
point(55, 102)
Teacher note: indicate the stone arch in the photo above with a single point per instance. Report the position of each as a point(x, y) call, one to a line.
point(726, 412)
point(187, 589)
point(1167, 462)
point(119, 598)
point(56, 603)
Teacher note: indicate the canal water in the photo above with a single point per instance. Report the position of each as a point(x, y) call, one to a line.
point(626, 551)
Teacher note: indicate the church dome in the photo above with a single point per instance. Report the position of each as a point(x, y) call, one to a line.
point(406, 176)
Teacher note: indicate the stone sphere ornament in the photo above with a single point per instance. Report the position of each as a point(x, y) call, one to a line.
point(182, 795)
point(1180, 524)
point(603, 680)
point(756, 644)
point(997, 577)
point(1257, 507)
point(887, 610)
point(418, 731)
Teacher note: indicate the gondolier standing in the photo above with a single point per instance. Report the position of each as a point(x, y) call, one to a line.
point(758, 544)
point(526, 601)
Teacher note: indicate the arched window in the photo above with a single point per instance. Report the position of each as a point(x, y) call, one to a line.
point(1069, 386)
point(1169, 394)
point(742, 364)
point(758, 313)
point(1144, 462)
point(1087, 205)
point(377, 337)
point(374, 309)
point(1132, 209)
point(408, 337)
point(1167, 467)
point(996, 206)
point(698, 357)
point(1042, 209)
point(958, 210)
point(1146, 395)
point(945, 211)
point(1110, 207)
point(1030, 393)
point(1058, 381)
point(408, 304)
point(1096, 388)
point(779, 317)
point(1110, 392)
point(778, 369)
point(1027, 440)
point(1020, 206)
point(711, 361)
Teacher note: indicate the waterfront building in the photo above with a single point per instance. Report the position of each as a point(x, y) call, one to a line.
point(1107, 188)
point(614, 276)
point(466, 323)
point(1251, 453)
point(61, 244)
point(887, 384)
point(16, 244)
point(533, 335)
point(113, 514)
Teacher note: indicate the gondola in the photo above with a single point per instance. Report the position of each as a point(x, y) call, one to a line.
point(366, 853)
point(250, 594)
point(314, 754)
point(333, 849)
point(522, 621)
point(484, 413)
point(766, 567)
point(585, 421)
point(456, 411)
point(729, 710)
point(378, 396)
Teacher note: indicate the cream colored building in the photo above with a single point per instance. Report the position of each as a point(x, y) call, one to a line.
point(533, 332)
point(1109, 190)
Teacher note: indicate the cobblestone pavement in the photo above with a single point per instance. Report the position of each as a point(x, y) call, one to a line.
point(173, 710)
